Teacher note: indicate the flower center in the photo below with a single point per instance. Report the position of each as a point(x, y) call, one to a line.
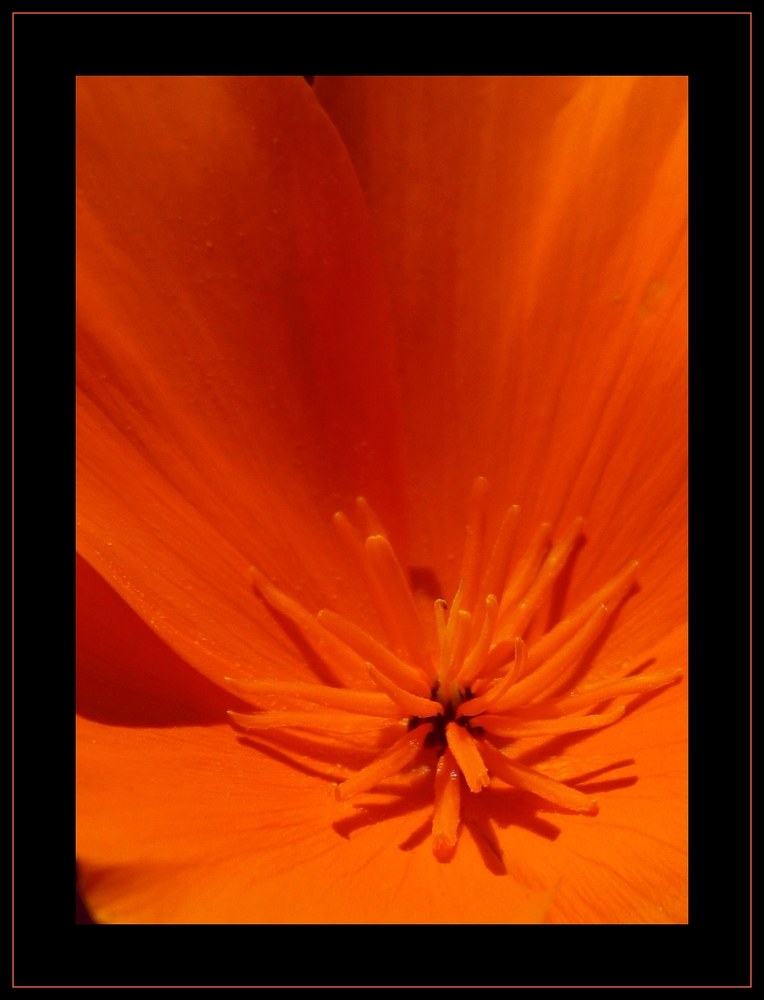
point(437, 737)
point(461, 706)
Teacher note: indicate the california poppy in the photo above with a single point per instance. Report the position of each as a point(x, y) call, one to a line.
point(387, 288)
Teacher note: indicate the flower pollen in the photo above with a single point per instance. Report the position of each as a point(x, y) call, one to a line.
point(460, 705)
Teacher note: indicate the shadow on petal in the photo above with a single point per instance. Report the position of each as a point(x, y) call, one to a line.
point(417, 798)
point(126, 675)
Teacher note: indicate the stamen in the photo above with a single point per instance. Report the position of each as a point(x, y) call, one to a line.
point(351, 537)
point(369, 649)
point(361, 702)
point(525, 573)
point(345, 664)
point(473, 546)
point(445, 820)
point(504, 725)
point(372, 524)
point(595, 693)
point(467, 756)
point(483, 685)
point(446, 640)
point(539, 784)
point(458, 646)
point(519, 619)
point(623, 670)
point(547, 645)
point(493, 695)
point(440, 625)
point(333, 722)
point(473, 663)
point(549, 674)
point(386, 765)
point(454, 612)
point(496, 573)
point(620, 671)
point(412, 704)
point(395, 601)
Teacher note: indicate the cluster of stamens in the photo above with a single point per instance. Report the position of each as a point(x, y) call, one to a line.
point(462, 703)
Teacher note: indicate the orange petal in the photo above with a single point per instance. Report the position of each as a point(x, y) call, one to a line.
point(225, 264)
point(538, 265)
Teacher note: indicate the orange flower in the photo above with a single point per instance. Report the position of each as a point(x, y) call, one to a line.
point(474, 277)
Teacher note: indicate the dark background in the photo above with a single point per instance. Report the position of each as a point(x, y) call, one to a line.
point(713, 50)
